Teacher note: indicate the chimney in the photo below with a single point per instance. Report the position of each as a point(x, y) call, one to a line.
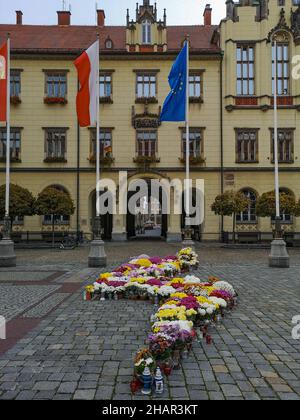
point(207, 15)
point(19, 17)
point(64, 18)
point(100, 18)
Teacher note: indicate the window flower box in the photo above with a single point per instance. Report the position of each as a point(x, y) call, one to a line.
point(194, 160)
point(51, 101)
point(146, 159)
point(55, 160)
point(146, 100)
point(15, 100)
point(104, 160)
point(106, 100)
point(12, 160)
point(196, 100)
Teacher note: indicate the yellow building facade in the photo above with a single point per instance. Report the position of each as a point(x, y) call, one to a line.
point(231, 115)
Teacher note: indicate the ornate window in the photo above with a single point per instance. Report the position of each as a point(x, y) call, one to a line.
point(105, 143)
point(196, 143)
point(56, 84)
point(15, 144)
point(245, 70)
point(146, 32)
point(55, 144)
point(283, 68)
point(146, 143)
point(248, 216)
point(285, 145)
point(105, 82)
point(146, 85)
point(246, 145)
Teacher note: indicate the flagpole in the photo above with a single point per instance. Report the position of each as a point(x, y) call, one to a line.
point(7, 252)
point(277, 193)
point(98, 135)
point(187, 231)
point(279, 257)
point(97, 256)
point(7, 190)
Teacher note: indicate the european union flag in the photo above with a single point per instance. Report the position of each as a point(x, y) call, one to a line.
point(174, 108)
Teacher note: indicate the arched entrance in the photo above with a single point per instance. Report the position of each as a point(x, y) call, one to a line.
point(106, 219)
point(197, 229)
point(148, 221)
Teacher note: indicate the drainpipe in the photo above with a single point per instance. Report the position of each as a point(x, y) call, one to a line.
point(221, 134)
point(78, 175)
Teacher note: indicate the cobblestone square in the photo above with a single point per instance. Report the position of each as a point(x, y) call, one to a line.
point(84, 350)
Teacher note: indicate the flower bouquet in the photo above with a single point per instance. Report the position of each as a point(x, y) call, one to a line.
point(188, 259)
point(143, 359)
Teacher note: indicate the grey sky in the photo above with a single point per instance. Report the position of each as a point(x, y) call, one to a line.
point(179, 12)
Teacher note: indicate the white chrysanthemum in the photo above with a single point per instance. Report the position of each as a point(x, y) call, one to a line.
point(224, 285)
point(218, 301)
point(202, 312)
point(192, 279)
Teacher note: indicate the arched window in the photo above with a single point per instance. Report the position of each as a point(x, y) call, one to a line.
point(282, 56)
point(58, 220)
point(146, 32)
point(248, 216)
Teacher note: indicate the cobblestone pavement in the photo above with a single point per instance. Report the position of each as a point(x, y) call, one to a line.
point(85, 350)
point(209, 253)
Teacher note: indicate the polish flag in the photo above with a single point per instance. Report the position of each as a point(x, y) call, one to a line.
point(3, 82)
point(88, 74)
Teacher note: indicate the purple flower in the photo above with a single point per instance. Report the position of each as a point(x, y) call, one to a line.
point(155, 260)
point(154, 282)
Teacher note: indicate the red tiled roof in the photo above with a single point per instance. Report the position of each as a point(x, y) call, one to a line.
point(200, 37)
point(73, 39)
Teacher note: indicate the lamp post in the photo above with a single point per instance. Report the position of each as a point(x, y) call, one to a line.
point(279, 257)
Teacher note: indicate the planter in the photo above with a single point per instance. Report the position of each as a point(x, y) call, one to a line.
point(53, 101)
point(15, 100)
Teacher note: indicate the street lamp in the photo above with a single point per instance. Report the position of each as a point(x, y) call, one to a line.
point(279, 256)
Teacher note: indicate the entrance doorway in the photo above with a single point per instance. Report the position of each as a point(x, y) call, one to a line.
point(148, 222)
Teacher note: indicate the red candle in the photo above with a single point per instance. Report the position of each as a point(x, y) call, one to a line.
point(208, 339)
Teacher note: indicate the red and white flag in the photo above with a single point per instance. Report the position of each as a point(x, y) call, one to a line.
point(88, 74)
point(3, 82)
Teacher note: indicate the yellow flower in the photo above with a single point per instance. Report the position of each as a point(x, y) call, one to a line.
point(177, 280)
point(191, 312)
point(106, 275)
point(172, 302)
point(179, 295)
point(143, 262)
point(202, 299)
point(139, 280)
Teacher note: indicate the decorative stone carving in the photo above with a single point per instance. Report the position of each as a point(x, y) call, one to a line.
point(295, 20)
point(281, 28)
point(145, 120)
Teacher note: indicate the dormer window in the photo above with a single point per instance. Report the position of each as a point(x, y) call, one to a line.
point(146, 25)
point(108, 44)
